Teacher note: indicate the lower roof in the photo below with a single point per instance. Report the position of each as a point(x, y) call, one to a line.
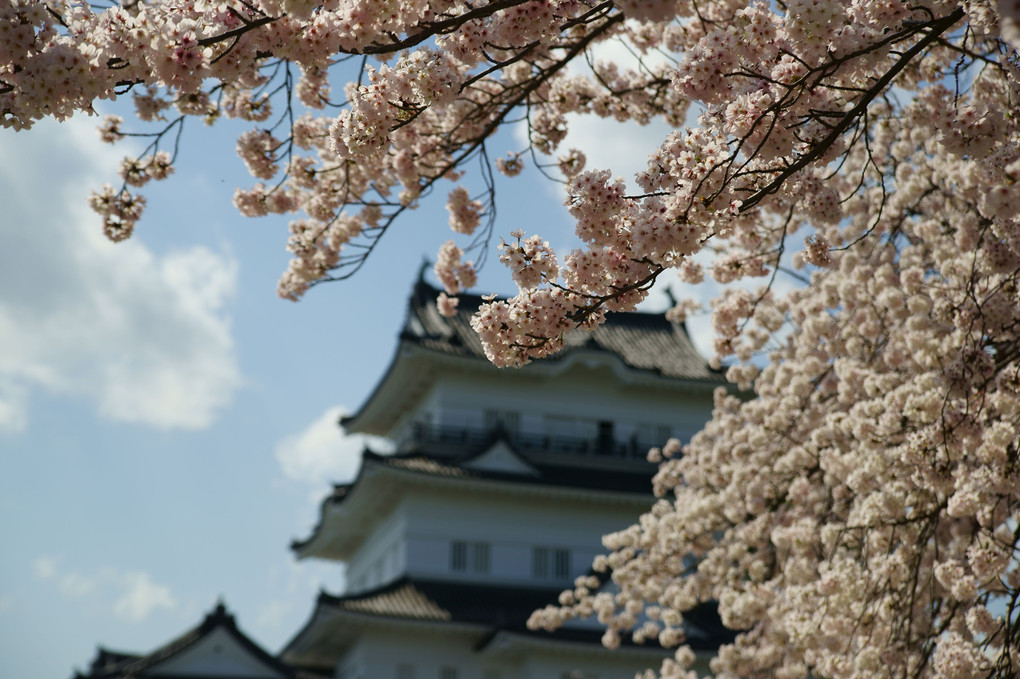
point(113, 665)
point(447, 601)
point(483, 610)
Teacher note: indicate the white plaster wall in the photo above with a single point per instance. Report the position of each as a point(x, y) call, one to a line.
point(351, 664)
point(427, 651)
point(381, 557)
point(511, 525)
point(586, 393)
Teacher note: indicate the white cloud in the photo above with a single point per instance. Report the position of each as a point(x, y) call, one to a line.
point(45, 567)
point(622, 147)
point(612, 145)
point(71, 584)
point(323, 453)
point(74, 585)
point(13, 413)
point(135, 595)
point(296, 583)
point(140, 597)
point(143, 336)
point(273, 614)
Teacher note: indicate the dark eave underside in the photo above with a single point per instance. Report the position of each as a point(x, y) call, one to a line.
point(569, 477)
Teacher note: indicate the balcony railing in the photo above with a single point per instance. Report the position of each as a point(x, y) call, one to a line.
point(465, 439)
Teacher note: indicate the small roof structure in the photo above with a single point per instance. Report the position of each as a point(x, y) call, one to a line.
point(644, 347)
point(215, 649)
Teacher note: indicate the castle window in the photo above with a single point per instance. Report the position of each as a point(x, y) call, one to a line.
point(540, 562)
point(480, 561)
point(458, 556)
point(561, 564)
point(470, 556)
point(548, 562)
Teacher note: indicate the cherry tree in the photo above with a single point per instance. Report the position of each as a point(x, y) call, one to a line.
point(860, 515)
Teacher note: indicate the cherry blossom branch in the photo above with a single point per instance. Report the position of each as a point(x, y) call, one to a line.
point(438, 27)
point(936, 28)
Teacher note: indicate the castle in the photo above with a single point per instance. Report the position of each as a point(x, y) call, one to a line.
point(501, 487)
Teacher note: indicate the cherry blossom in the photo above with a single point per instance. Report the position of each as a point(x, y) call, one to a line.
point(853, 174)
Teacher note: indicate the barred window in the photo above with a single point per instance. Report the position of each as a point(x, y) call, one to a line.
point(540, 562)
point(549, 562)
point(475, 557)
point(458, 556)
point(480, 553)
point(561, 564)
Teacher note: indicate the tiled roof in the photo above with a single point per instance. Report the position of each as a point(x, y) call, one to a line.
point(643, 341)
point(423, 464)
point(416, 599)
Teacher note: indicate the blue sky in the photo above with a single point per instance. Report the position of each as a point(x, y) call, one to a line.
point(166, 422)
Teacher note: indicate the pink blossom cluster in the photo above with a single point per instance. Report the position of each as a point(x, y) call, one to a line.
point(531, 261)
point(454, 274)
point(858, 517)
point(140, 171)
point(120, 211)
point(465, 213)
point(531, 324)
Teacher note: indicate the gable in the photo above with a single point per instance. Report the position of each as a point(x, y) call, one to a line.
point(500, 458)
point(217, 654)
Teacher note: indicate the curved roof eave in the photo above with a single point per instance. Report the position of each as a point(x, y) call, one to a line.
point(364, 420)
point(302, 548)
point(327, 616)
point(375, 466)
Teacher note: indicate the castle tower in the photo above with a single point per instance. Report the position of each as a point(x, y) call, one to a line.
point(503, 483)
